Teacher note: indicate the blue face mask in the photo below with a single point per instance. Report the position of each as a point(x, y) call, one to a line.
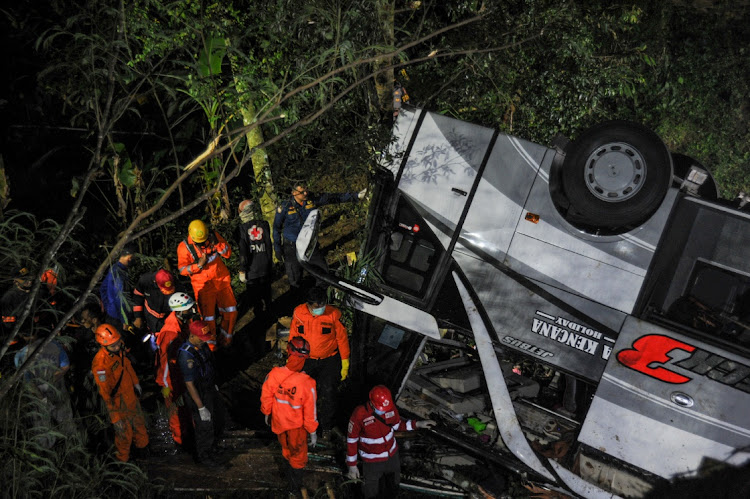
point(319, 311)
point(379, 413)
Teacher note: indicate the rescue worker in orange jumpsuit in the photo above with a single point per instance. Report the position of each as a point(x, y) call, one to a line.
point(321, 326)
point(172, 336)
point(288, 397)
point(199, 257)
point(120, 389)
point(370, 434)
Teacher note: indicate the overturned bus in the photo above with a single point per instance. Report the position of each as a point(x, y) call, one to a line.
point(579, 313)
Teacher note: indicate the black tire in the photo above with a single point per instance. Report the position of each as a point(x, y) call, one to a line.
point(616, 175)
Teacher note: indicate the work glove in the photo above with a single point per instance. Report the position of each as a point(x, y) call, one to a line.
point(119, 426)
point(425, 424)
point(353, 473)
point(344, 369)
point(268, 420)
point(165, 391)
point(313, 439)
point(361, 194)
point(204, 413)
point(138, 322)
point(243, 278)
point(138, 390)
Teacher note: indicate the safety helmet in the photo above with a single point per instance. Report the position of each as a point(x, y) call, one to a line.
point(198, 231)
point(201, 329)
point(181, 301)
point(246, 203)
point(107, 335)
point(299, 347)
point(164, 281)
point(380, 398)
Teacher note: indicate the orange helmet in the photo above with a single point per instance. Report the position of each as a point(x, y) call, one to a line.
point(107, 335)
point(299, 347)
point(380, 398)
point(198, 231)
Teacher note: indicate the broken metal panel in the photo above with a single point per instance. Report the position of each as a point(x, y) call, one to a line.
point(616, 479)
point(510, 429)
point(580, 486)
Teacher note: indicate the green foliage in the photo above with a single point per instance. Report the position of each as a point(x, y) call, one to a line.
point(674, 67)
point(32, 467)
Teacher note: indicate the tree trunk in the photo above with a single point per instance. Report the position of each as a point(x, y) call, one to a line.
point(261, 168)
point(384, 80)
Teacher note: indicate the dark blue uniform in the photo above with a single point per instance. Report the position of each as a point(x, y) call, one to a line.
point(290, 217)
point(197, 365)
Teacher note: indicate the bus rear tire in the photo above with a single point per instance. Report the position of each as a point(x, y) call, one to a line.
point(616, 175)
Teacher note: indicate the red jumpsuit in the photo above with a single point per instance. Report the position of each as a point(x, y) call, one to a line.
point(289, 397)
point(372, 437)
point(169, 340)
point(116, 379)
point(212, 285)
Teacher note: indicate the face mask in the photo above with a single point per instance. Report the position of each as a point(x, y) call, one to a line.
point(379, 413)
point(319, 311)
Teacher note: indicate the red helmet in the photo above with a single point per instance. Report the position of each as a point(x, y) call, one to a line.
point(380, 398)
point(107, 335)
point(299, 347)
point(164, 281)
point(201, 329)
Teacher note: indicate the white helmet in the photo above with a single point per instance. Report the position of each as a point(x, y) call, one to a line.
point(181, 301)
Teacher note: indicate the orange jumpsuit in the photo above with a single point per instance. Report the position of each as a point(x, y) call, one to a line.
point(169, 340)
point(289, 397)
point(325, 333)
point(116, 379)
point(329, 345)
point(212, 285)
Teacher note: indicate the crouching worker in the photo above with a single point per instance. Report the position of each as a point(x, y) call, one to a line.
point(288, 397)
point(119, 387)
point(370, 435)
point(196, 363)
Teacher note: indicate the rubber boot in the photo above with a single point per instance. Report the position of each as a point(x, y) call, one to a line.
point(294, 479)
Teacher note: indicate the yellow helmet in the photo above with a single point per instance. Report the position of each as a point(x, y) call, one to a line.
point(198, 231)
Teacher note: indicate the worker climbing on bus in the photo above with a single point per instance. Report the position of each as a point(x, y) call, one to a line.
point(200, 257)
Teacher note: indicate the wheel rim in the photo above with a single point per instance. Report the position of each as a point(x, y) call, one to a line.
point(615, 172)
